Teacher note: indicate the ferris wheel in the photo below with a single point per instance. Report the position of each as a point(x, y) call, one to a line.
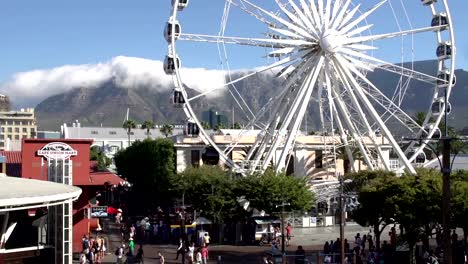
point(322, 54)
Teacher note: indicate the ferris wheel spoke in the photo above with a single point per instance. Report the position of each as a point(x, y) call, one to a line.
point(301, 106)
point(305, 16)
point(392, 35)
point(290, 15)
point(258, 42)
point(352, 129)
point(253, 73)
point(358, 30)
point(337, 20)
point(253, 13)
point(348, 84)
point(344, 28)
point(384, 101)
point(349, 15)
point(374, 114)
point(280, 20)
point(373, 62)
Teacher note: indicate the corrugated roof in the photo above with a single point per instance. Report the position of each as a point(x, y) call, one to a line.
point(13, 162)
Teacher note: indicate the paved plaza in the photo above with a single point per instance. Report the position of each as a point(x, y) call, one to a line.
point(312, 239)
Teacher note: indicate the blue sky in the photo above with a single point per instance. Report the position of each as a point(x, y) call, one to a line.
point(51, 33)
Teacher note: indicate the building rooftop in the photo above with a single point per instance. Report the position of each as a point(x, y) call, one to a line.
point(115, 133)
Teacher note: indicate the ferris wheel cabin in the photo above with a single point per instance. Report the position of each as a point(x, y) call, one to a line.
point(181, 4)
point(428, 2)
point(440, 20)
point(444, 51)
point(438, 107)
point(170, 64)
point(420, 158)
point(191, 128)
point(444, 77)
point(168, 34)
point(178, 98)
point(436, 135)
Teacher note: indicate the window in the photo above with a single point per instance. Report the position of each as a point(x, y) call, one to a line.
point(3, 130)
point(17, 137)
point(195, 158)
point(318, 159)
point(33, 130)
point(2, 137)
point(10, 130)
point(112, 132)
point(94, 132)
point(16, 129)
point(25, 130)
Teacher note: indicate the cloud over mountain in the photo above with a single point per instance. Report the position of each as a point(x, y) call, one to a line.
point(29, 88)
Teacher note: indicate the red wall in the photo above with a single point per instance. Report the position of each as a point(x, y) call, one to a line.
point(31, 168)
point(31, 162)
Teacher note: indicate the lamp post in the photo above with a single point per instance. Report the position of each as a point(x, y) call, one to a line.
point(342, 219)
point(283, 204)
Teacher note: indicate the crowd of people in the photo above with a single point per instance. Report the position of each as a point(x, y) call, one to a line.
point(93, 249)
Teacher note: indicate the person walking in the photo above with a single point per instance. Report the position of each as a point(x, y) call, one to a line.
point(119, 253)
point(131, 247)
point(161, 258)
point(180, 248)
point(204, 252)
point(288, 234)
point(198, 257)
point(191, 252)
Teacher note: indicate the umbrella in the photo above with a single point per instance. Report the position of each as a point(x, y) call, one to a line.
point(202, 221)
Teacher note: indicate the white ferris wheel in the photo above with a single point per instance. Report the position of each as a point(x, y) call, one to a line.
point(322, 53)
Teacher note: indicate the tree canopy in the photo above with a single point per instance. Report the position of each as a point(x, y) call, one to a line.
point(149, 166)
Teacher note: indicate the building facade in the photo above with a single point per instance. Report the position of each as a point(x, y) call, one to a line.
point(16, 125)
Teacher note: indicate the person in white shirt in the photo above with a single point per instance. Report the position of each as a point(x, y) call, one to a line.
point(191, 252)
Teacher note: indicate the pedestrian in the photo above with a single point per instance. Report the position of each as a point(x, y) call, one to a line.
point(180, 248)
point(300, 255)
point(288, 233)
point(204, 252)
point(140, 254)
point(131, 247)
point(198, 257)
point(161, 258)
point(191, 252)
point(206, 239)
point(119, 253)
point(82, 258)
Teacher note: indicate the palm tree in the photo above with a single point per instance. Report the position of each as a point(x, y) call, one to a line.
point(129, 125)
point(148, 125)
point(166, 129)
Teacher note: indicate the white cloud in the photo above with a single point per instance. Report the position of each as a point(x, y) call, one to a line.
point(30, 88)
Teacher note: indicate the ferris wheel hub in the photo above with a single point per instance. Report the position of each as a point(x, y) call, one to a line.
point(330, 41)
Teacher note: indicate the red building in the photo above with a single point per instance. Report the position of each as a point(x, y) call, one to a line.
point(67, 161)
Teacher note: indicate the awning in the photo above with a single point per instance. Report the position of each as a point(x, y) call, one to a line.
point(20, 193)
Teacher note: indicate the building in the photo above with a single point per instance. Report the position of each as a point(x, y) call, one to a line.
point(28, 209)
point(112, 139)
point(16, 125)
point(67, 161)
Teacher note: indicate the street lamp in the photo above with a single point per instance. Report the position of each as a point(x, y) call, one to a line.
point(283, 204)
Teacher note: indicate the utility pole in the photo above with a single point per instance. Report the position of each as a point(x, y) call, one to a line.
point(446, 210)
point(182, 227)
point(342, 220)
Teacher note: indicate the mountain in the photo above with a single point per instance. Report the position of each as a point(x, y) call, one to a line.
point(107, 104)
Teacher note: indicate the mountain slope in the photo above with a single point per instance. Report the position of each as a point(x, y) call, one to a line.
point(107, 104)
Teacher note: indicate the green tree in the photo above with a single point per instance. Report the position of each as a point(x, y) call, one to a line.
point(96, 154)
point(419, 204)
point(377, 190)
point(166, 130)
point(205, 125)
point(265, 192)
point(209, 189)
point(149, 165)
point(129, 125)
point(148, 125)
point(236, 126)
point(460, 201)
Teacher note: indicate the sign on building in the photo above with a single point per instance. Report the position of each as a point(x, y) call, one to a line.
point(98, 211)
